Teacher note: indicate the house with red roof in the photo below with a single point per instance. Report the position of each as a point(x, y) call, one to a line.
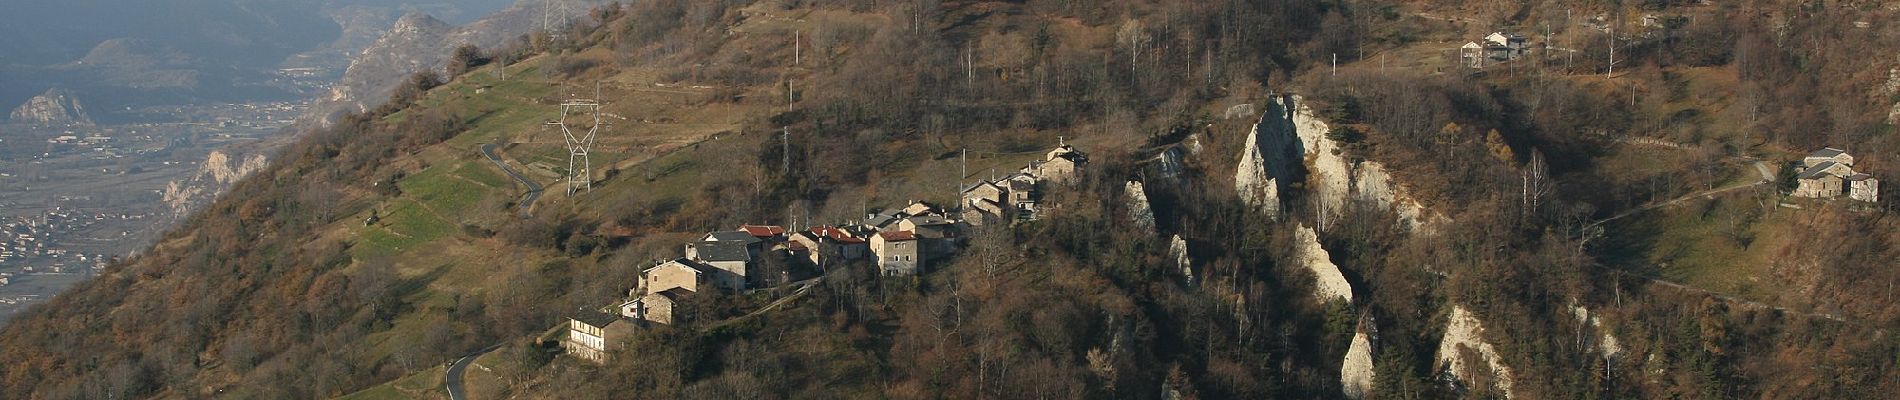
point(898, 253)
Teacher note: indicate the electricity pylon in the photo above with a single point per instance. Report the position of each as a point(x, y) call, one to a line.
point(579, 167)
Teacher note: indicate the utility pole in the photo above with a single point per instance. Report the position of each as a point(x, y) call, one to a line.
point(786, 142)
point(1335, 65)
point(795, 48)
point(963, 165)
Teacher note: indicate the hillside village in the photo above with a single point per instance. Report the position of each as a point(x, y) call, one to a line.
point(900, 242)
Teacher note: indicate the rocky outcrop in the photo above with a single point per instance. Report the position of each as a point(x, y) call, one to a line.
point(1328, 283)
point(1289, 144)
point(1356, 372)
point(1257, 188)
point(1465, 332)
point(219, 171)
point(1372, 184)
point(1238, 111)
point(1139, 211)
point(1178, 249)
point(1605, 343)
point(55, 107)
point(1167, 165)
point(1269, 160)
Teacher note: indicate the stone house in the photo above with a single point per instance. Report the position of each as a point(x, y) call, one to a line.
point(920, 207)
point(1060, 165)
point(1509, 41)
point(1863, 187)
point(1829, 173)
point(1022, 196)
point(983, 202)
point(592, 335)
point(659, 307)
point(898, 253)
point(680, 273)
point(731, 260)
point(936, 235)
point(830, 245)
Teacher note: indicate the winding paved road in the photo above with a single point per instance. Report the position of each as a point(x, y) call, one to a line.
point(454, 379)
point(534, 189)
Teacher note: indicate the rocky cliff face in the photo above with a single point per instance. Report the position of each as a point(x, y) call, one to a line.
point(1355, 372)
point(1178, 249)
point(419, 42)
point(55, 107)
point(219, 170)
point(1265, 168)
point(1465, 332)
point(1329, 283)
point(1289, 144)
point(1139, 211)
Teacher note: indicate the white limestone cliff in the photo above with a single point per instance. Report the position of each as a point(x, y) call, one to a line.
point(1464, 331)
point(1329, 284)
point(1257, 188)
point(1139, 211)
point(218, 172)
point(1178, 249)
point(54, 107)
point(1355, 372)
point(1289, 143)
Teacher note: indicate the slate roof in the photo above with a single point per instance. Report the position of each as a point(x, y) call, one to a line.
point(897, 236)
point(733, 236)
point(595, 318)
point(1827, 152)
point(722, 251)
point(978, 184)
point(929, 220)
point(675, 294)
point(1859, 177)
point(695, 265)
point(1817, 171)
point(882, 219)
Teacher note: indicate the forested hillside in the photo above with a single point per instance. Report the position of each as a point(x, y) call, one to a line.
point(1336, 205)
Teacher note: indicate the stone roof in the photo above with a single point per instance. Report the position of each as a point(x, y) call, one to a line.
point(897, 236)
point(595, 318)
point(722, 251)
point(882, 219)
point(1827, 152)
point(733, 236)
point(978, 184)
point(1817, 171)
point(694, 265)
point(675, 294)
point(1859, 177)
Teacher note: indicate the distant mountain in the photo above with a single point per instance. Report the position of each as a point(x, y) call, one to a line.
point(55, 107)
point(126, 53)
point(419, 41)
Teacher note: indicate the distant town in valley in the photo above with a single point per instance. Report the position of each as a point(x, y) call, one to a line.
point(75, 194)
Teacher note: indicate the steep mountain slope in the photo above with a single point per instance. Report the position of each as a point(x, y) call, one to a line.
point(386, 244)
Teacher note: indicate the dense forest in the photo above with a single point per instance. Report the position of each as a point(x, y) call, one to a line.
point(1522, 174)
